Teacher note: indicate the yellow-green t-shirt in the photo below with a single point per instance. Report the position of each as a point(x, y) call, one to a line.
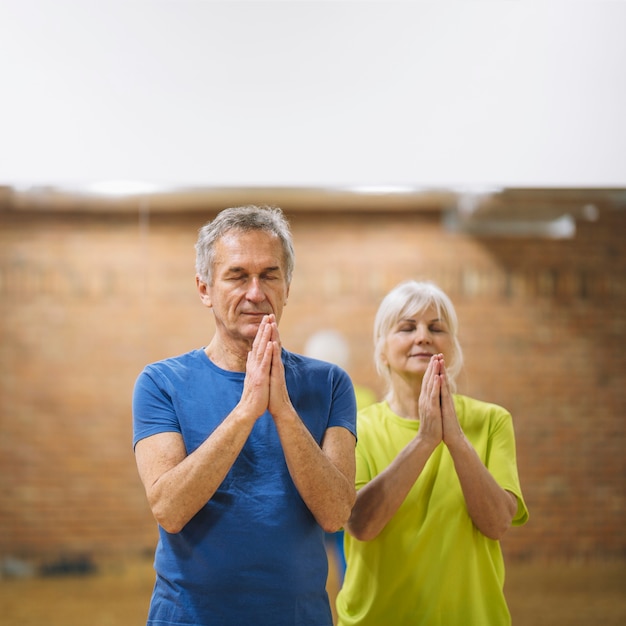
point(430, 565)
point(364, 396)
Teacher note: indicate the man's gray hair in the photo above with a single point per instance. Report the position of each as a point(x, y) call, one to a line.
point(243, 218)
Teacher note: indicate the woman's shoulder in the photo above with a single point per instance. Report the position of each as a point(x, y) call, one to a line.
point(373, 416)
point(374, 409)
point(469, 405)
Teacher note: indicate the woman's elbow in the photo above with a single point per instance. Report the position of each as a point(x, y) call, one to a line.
point(497, 529)
point(496, 535)
point(501, 518)
point(361, 528)
point(360, 533)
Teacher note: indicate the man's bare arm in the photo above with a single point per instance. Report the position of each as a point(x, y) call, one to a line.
point(178, 485)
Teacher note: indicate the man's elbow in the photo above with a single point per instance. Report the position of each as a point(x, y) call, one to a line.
point(340, 514)
point(167, 519)
point(170, 527)
point(331, 526)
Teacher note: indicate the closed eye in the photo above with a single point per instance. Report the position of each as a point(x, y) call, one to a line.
point(271, 273)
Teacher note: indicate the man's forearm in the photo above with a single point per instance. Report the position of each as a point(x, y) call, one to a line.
point(181, 490)
point(324, 476)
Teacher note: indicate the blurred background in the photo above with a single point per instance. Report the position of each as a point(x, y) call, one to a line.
point(480, 145)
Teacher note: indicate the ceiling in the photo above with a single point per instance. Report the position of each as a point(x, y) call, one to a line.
point(197, 94)
point(538, 212)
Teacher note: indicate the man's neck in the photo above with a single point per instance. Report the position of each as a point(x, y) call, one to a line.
point(231, 356)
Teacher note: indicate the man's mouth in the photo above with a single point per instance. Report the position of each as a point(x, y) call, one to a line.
point(258, 314)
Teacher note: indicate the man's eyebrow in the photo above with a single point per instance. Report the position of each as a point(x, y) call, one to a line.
point(236, 269)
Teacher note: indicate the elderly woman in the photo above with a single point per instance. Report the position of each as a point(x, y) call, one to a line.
point(436, 477)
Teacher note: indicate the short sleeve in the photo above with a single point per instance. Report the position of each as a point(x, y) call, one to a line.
point(502, 462)
point(153, 410)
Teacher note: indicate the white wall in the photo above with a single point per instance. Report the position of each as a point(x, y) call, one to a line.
point(427, 94)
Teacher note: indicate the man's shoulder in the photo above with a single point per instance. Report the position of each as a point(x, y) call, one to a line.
point(300, 361)
point(175, 363)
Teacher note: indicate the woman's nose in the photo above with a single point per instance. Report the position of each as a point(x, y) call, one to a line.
point(422, 335)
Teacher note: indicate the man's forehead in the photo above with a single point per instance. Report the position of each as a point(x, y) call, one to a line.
point(237, 250)
point(236, 239)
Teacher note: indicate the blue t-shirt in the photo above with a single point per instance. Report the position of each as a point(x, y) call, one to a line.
point(254, 554)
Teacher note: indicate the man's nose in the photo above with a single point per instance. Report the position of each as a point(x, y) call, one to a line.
point(255, 291)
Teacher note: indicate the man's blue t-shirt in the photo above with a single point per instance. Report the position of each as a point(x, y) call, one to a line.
point(254, 554)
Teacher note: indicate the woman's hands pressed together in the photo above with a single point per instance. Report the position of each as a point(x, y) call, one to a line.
point(438, 419)
point(429, 406)
point(490, 507)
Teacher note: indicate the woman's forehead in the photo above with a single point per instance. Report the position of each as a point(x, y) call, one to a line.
point(427, 310)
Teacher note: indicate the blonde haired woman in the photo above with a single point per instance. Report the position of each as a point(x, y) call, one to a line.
point(436, 477)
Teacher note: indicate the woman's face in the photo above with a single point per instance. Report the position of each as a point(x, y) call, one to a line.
point(413, 340)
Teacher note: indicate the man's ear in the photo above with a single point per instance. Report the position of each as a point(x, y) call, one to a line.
point(204, 291)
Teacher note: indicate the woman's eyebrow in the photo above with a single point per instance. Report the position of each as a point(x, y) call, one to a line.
point(413, 319)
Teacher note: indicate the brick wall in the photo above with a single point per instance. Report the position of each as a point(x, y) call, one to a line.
point(86, 299)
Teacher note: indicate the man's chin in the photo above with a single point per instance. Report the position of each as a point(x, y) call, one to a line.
point(250, 330)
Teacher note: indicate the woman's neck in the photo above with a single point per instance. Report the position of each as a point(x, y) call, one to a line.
point(403, 399)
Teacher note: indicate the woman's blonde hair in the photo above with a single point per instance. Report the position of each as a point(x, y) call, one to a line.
point(409, 298)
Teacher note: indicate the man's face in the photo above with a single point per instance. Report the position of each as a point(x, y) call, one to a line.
point(249, 281)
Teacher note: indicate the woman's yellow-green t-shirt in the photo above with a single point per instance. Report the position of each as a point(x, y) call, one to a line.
point(430, 566)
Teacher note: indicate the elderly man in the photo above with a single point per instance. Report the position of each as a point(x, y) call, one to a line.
point(245, 450)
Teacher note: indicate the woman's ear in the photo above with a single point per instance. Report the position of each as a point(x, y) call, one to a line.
point(204, 291)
